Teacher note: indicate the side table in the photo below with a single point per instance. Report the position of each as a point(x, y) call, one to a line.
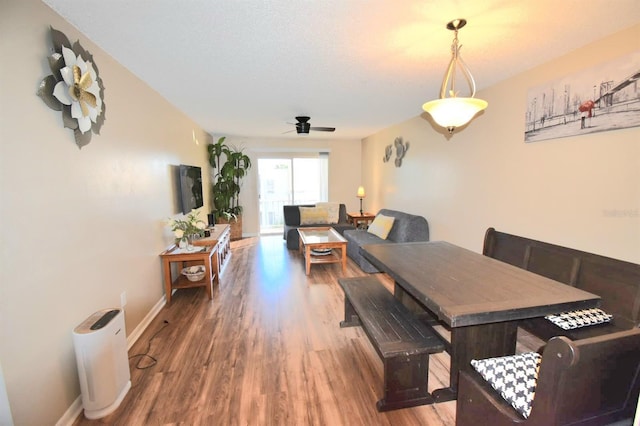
point(360, 220)
point(182, 258)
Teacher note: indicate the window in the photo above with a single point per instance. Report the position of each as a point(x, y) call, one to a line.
point(290, 179)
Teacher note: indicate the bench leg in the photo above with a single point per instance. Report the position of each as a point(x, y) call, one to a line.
point(405, 382)
point(351, 319)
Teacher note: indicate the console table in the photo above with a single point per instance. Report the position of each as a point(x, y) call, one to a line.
point(219, 234)
point(183, 258)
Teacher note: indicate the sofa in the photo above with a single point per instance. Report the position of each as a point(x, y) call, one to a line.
point(292, 223)
point(406, 228)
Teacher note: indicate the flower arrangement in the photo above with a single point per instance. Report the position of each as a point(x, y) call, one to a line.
point(185, 229)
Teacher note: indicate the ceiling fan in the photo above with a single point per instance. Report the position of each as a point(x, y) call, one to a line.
point(303, 126)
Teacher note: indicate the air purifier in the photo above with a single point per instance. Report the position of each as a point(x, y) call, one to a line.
point(103, 366)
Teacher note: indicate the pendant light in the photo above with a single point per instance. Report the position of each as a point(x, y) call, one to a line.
point(451, 111)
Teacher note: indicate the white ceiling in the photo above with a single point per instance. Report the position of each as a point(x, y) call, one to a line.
point(247, 67)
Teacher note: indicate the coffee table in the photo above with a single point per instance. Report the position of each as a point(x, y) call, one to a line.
point(319, 238)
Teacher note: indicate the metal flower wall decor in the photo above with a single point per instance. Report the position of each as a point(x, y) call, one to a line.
point(401, 150)
point(74, 88)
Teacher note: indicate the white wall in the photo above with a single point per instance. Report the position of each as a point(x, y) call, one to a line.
point(6, 419)
point(557, 191)
point(78, 227)
point(344, 170)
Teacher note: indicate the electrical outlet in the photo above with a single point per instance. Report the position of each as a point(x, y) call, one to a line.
point(123, 299)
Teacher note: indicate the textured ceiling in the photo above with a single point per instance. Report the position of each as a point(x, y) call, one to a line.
point(247, 67)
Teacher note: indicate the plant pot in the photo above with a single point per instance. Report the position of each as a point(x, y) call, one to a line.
point(235, 225)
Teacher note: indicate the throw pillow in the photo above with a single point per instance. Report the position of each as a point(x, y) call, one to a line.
point(582, 318)
point(381, 226)
point(313, 216)
point(333, 210)
point(514, 377)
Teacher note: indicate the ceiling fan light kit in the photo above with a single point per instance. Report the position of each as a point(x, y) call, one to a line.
point(451, 111)
point(303, 126)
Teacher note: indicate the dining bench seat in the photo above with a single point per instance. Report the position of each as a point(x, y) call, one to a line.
point(400, 339)
point(617, 282)
point(593, 381)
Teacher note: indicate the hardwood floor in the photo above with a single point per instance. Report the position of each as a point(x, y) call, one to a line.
point(267, 350)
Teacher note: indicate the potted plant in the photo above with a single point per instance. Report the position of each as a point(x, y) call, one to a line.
point(227, 177)
point(188, 228)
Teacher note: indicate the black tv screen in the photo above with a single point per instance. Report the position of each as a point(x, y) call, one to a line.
point(190, 188)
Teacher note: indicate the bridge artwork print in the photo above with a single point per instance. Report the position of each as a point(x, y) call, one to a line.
point(598, 99)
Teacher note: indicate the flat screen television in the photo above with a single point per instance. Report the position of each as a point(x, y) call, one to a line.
point(190, 179)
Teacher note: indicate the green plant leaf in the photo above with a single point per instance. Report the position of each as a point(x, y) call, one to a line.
point(227, 177)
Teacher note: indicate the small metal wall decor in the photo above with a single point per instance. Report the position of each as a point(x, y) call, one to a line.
point(401, 150)
point(75, 88)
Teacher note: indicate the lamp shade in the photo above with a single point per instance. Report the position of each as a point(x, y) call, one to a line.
point(454, 112)
point(361, 193)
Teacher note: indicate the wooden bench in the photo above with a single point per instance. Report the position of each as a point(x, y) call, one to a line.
point(617, 282)
point(400, 339)
point(594, 381)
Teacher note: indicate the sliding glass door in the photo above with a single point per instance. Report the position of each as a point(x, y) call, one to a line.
point(289, 180)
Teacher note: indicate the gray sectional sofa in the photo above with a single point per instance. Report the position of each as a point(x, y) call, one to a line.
point(292, 223)
point(406, 228)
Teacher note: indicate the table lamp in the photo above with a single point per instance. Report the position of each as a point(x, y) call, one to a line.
point(361, 195)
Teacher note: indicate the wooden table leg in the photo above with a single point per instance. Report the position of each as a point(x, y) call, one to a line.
point(467, 343)
point(166, 265)
point(216, 264)
point(343, 249)
point(476, 342)
point(207, 273)
point(307, 260)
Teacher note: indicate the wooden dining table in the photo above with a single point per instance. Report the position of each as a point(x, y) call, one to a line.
point(478, 298)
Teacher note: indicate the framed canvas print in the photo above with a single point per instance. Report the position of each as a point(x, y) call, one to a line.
point(598, 99)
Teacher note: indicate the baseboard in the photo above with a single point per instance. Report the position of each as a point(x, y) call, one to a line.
point(142, 326)
point(72, 413)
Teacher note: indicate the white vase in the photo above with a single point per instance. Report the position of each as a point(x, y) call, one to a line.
point(190, 239)
point(183, 243)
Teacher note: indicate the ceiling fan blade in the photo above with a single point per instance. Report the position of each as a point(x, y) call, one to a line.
point(288, 131)
point(324, 129)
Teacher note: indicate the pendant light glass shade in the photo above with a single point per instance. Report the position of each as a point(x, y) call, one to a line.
point(453, 111)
